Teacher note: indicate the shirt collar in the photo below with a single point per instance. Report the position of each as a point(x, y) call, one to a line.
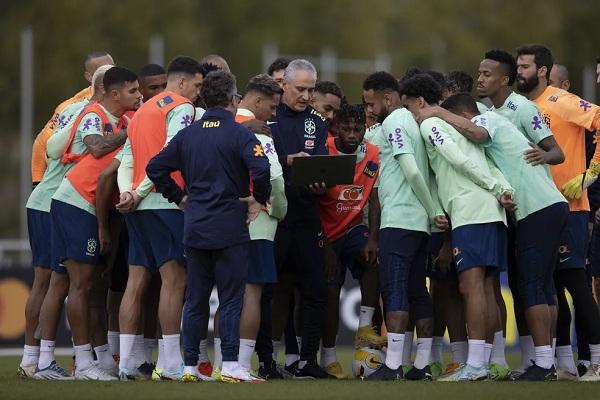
point(245, 113)
point(217, 112)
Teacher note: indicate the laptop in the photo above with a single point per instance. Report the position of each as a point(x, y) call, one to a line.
point(333, 170)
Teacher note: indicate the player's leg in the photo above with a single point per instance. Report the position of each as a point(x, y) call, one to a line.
point(264, 344)
point(98, 317)
point(583, 343)
point(150, 321)
point(565, 364)
point(118, 284)
point(291, 338)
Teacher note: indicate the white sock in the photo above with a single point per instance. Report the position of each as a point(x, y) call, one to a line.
point(192, 370)
point(543, 356)
point(276, 347)
point(301, 364)
point(160, 362)
point(113, 341)
point(553, 351)
point(139, 350)
point(173, 360)
point(564, 358)
point(585, 363)
point(527, 351)
point(245, 353)
point(423, 352)
point(328, 356)
point(126, 343)
point(31, 356)
point(407, 349)
point(218, 354)
point(46, 353)
point(291, 358)
point(395, 345)
point(595, 353)
point(437, 346)
point(476, 356)
point(498, 354)
point(104, 356)
point(365, 317)
point(83, 356)
point(487, 353)
point(149, 345)
point(203, 351)
point(229, 366)
point(459, 352)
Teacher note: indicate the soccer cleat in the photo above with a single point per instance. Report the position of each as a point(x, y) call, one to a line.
point(499, 372)
point(312, 371)
point(592, 374)
point(436, 369)
point(537, 373)
point(157, 373)
point(451, 368)
point(270, 372)
point(239, 374)
point(216, 375)
point(466, 373)
point(385, 373)
point(335, 369)
point(405, 369)
point(167, 375)
point(26, 372)
point(189, 377)
point(415, 374)
point(146, 370)
point(582, 369)
point(93, 373)
point(292, 368)
point(366, 336)
point(205, 370)
point(53, 372)
point(563, 374)
point(117, 358)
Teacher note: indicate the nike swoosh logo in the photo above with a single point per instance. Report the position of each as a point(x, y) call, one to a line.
point(395, 341)
point(459, 261)
point(562, 260)
point(271, 122)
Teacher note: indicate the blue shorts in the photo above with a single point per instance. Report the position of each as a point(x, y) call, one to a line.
point(39, 226)
point(155, 237)
point(74, 235)
point(595, 251)
point(572, 249)
point(436, 240)
point(480, 245)
point(261, 263)
point(347, 249)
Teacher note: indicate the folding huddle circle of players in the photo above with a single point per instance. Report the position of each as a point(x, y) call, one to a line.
point(151, 189)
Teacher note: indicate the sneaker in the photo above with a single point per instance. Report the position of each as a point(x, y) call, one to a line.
point(157, 374)
point(415, 374)
point(216, 375)
point(26, 372)
point(190, 374)
point(451, 368)
point(563, 374)
point(292, 368)
point(312, 371)
point(205, 370)
point(582, 369)
point(146, 370)
point(53, 372)
point(537, 373)
point(466, 373)
point(592, 374)
point(270, 372)
point(239, 374)
point(385, 373)
point(134, 374)
point(167, 375)
point(366, 336)
point(499, 372)
point(436, 369)
point(516, 373)
point(93, 373)
point(335, 369)
point(405, 369)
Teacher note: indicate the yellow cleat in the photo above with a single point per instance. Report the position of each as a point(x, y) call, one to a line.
point(367, 337)
point(157, 374)
point(26, 372)
point(190, 378)
point(336, 370)
point(450, 368)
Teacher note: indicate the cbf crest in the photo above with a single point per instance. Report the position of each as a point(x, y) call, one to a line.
point(309, 126)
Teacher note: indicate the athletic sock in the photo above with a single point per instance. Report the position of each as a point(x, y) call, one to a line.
point(527, 351)
point(407, 349)
point(83, 356)
point(487, 353)
point(218, 354)
point(139, 350)
point(291, 358)
point(104, 356)
point(149, 345)
point(113, 341)
point(126, 343)
point(564, 358)
point(245, 353)
point(160, 361)
point(203, 351)
point(498, 353)
point(395, 346)
point(46, 353)
point(276, 347)
point(553, 351)
point(595, 353)
point(328, 356)
point(173, 360)
point(31, 356)
point(423, 352)
point(437, 346)
point(365, 317)
point(476, 357)
point(543, 356)
point(459, 352)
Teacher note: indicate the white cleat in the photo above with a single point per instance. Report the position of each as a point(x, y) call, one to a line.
point(565, 374)
point(239, 374)
point(53, 372)
point(94, 373)
point(592, 374)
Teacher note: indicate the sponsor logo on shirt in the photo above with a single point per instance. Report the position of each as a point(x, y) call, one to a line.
point(108, 129)
point(547, 120)
point(371, 169)
point(435, 137)
point(553, 98)
point(351, 192)
point(309, 127)
point(309, 144)
point(164, 101)
point(258, 151)
point(186, 120)
point(585, 105)
point(536, 122)
point(211, 124)
point(396, 138)
point(92, 246)
point(269, 148)
point(97, 123)
point(318, 114)
point(512, 106)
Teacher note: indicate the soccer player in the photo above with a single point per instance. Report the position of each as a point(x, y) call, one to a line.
point(277, 69)
point(568, 116)
point(407, 211)
point(156, 226)
point(464, 178)
point(77, 247)
point(153, 80)
point(216, 157)
point(559, 77)
point(217, 61)
point(461, 82)
point(327, 99)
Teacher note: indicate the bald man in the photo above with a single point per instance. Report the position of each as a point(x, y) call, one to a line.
point(559, 77)
point(217, 61)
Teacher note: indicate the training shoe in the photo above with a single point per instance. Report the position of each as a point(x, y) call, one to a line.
point(312, 371)
point(466, 373)
point(190, 374)
point(335, 369)
point(415, 374)
point(385, 373)
point(53, 372)
point(167, 375)
point(436, 369)
point(451, 368)
point(26, 372)
point(563, 374)
point(582, 369)
point(93, 373)
point(499, 372)
point(146, 370)
point(592, 374)
point(270, 372)
point(292, 368)
point(157, 374)
point(239, 374)
point(205, 370)
point(366, 336)
point(537, 373)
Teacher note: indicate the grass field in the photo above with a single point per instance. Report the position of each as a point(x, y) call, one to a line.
point(13, 388)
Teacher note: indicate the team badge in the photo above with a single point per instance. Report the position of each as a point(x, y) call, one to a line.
point(553, 98)
point(258, 151)
point(371, 169)
point(309, 126)
point(351, 192)
point(164, 101)
point(92, 246)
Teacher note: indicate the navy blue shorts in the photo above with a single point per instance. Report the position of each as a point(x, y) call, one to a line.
point(402, 260)
point(572, 248)
point(538, 236)
point(40, 227)
point(155, 237)
point(74, 235)
point(347, 249)
point(261, 264)
point(436, 240)
point(480, 245)
point(595, 251)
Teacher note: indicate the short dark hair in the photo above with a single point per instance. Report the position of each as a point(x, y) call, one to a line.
point(117, 77)
point(410, 72)
point(264, 85)
point(217, 88)
point(328, 87)
point(422, 85)
point(461, 102)
point(185, 65)
point(541, 54)
point(151, 70)
point(437, 76)
point(350, 112)
point(95, 54)
point(381, 81)
point(507, 61)
point(206, 68)
point(459, 81)
point(277, 65)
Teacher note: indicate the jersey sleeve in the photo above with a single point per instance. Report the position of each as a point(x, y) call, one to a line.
point(483, 121)
point(533, 122)
point(396, 135)
point(579, 112)
point(90, 124)
point(178, 118)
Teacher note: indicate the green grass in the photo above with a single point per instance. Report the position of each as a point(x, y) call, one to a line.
point(13, 388)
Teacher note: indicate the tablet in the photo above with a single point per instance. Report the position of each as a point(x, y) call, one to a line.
point(333, 170)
